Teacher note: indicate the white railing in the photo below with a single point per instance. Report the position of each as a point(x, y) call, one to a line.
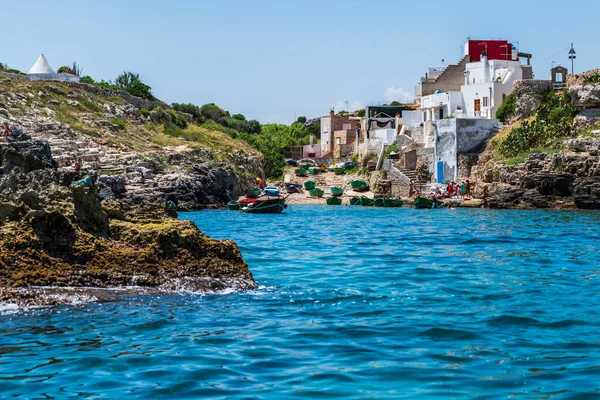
point(380, 159)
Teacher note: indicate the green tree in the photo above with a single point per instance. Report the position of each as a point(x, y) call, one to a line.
point(64, 70)
point(301, 119)
point(132, 84)
point(87, 79)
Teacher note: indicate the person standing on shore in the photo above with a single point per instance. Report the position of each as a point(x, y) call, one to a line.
point(468, 188)
point(6, 130)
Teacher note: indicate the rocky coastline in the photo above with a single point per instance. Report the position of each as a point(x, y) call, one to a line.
point(565, 177)
point(56, 234)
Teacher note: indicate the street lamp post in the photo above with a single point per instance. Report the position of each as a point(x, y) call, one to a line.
point(572, 57)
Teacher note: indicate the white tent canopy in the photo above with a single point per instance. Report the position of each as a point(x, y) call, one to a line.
point(41, 66)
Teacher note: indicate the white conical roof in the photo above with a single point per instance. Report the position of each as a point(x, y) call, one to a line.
point(41, 66)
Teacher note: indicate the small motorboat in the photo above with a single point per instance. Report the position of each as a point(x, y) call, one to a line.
point(301, 172)
point(309, 185)
point(392, 202)
point(265, 206)
point(314, 170)
point(339, 171)
point(337, 191)
point(333, 201)
point(367, 202)
point(272, 191)
point(359, 185)
point(293, 187)
point(316, 192)
point(233, 205)
point(292, 163)
point(253, 192)
point(423, 202)
point(355, 201)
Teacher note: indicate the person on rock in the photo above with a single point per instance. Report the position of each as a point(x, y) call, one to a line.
point(78, 164)
point(449, 190)
point(468, 189)
point(6, 130)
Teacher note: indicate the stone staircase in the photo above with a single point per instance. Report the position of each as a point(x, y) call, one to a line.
point(409, 173)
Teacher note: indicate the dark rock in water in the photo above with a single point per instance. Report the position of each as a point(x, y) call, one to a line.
point(54, 233)
point(587, 193)
point(505, 197)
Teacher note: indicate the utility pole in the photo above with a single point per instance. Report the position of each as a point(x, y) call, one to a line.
point(572, 57)
point(347, 109)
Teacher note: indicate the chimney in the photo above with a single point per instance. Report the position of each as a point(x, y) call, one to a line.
point(486, 67)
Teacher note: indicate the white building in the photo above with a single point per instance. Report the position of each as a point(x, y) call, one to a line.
point(486, 83)
point(42, 71)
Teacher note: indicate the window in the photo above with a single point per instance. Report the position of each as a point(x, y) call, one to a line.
point(485, 102)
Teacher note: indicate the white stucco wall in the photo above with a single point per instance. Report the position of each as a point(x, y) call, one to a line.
point(386, 136)
point(412, 119)
point(456, 136)
point(445, 148)
point(54, 77)
point(325, 127)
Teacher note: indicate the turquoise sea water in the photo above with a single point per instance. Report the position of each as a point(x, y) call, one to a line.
point(353, 303)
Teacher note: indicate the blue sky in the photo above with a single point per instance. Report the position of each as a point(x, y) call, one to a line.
point(276, 59)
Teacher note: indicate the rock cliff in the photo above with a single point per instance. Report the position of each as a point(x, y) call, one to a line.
point(59, 234)
point(137, 152)
point(565, 175)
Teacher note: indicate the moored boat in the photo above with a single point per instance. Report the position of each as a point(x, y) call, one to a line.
point(359, 185)
point(366, 202)
point(339, 171)
point(301, 172)
point(233, 205)
point(265, 206)
point(355, 201)
point(293, 187)
point(337, 191)
point(272, 191)
point(391, 202)
point(423, 202)
point(253, 192)
point(316, 192)
point(378, 202)
point(323, 168)
point(314, 170)
point(333, 201)
point(309, 185)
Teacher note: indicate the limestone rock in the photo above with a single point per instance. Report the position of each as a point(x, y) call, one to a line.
point(587, 193)
point(526, 106)
point(588, 117)
point(585, 96)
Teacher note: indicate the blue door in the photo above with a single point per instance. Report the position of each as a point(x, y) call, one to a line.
point(440, 172)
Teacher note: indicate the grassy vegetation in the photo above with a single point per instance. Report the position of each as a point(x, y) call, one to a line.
point(552, 122)
point(507, 109)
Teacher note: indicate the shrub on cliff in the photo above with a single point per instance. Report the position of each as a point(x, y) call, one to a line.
point(64, 70)
point(553, 120)
point(132, 84)
point(5, 68)
point(507, 109)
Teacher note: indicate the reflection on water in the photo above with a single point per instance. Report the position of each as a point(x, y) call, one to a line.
point(363, 303)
